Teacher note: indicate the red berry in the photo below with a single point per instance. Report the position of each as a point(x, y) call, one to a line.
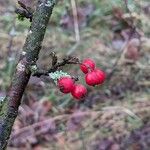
point(101, 76)
point(95, 77)
point(91, 78)
point(65, 84)
point(87, 64)
point(79, 91)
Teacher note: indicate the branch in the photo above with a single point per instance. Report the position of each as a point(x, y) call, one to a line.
point(31, 49)
point(56, 65)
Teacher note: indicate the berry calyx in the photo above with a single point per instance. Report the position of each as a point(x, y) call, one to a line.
point(79, 91)
point(87, 64)
point(66, 84)
point(101, 76)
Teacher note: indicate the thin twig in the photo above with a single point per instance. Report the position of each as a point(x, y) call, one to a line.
point(75, 19)
point(73, 48)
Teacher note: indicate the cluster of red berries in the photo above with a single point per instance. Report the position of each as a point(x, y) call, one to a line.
point(94, 76)
point(67, 85)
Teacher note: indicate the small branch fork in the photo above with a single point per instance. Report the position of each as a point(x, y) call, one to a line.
point(56, 65)
point(24, 11)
